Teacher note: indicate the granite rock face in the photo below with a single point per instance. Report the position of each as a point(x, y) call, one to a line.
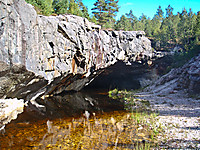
point(44, 55)
point(185, 78)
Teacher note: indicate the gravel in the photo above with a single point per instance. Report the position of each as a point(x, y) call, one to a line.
point(179, 116)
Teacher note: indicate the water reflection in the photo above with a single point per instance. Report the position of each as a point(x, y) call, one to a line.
point(34, 125)
point(116, 130)
point(70, 105)
point(75, 104)
point(78, 121)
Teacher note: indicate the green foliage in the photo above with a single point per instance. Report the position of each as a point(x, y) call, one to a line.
point(124, 24)
point(74, 8)
point(60, 6)
point(169, 30)
point(99, 11)
point(181, 58)
point(197, 27)
point(130, 100)
point(105, 11)
point(138, 115)
point(42, 6)
point(83, 9)
point(181, 29)
point(169, 11)
point(113, 93)
point(93, 19)
point(47, 7)
point(109, 24)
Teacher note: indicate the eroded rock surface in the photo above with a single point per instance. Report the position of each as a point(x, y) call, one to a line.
point(177, 92)
point(57, 53)
point(185, 78)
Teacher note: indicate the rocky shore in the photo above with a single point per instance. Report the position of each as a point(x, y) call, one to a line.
point(176, 98)
point(9, 109)
point(179, 117)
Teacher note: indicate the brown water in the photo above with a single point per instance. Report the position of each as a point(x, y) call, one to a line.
point(65, 124)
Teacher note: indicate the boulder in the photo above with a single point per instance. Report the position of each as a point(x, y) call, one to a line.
point(9, 109)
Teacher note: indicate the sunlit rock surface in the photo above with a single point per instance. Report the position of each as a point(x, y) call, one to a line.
point(186, 78)
point(9, 109)
point(57, 53)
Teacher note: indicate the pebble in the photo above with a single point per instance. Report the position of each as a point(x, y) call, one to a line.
point(183, 131)
point(179, 117)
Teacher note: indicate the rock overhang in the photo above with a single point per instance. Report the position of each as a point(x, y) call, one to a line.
point(63, 52)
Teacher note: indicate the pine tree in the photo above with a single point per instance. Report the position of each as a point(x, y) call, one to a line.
point(112, 8)
point(142, 22)
point(83, 9)
point(175, 22)
point(197, 27)
point(60, 6)
point(124, 24)
point(133, 19)
point(184, 28)
point(93, 19)
point(148, 27)
point(168, 28)
point(169, 11)
point(43, 7)
point(99, 11)
point(156, 22)
point(105, 11)
point(74, 8)
point(191, 23)
point(110, 24)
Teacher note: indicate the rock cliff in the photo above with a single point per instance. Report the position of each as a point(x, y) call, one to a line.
point(45, 55)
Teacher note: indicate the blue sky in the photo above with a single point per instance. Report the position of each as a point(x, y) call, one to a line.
point(149, 7)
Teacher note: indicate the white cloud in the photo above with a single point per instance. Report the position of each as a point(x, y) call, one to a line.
point(127, 4)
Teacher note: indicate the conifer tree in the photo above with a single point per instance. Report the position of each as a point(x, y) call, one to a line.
point(112, 8)
point(42, 6)
point(99, 11)
point(182, 26)
point(156, 22)
point(124, 24)
point(105, 10)
point(60, 6)
point(197, 27)
point(74, 8)
point(148, 27)
point(133, 19)
point(83, 9)
point(142, 22)
point(167, 33)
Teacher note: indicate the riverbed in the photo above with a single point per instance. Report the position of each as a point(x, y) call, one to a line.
point(77, 120)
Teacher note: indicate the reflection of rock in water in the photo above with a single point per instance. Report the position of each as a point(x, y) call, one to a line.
point(71, 105)
point(9, 109)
